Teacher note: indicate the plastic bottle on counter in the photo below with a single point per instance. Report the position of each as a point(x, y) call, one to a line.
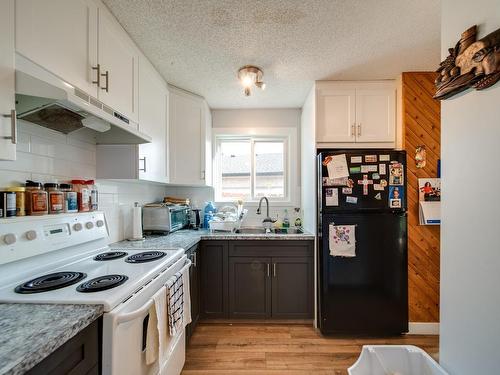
point(94, 195)
point(208, 213)
point(20, 199)
point(286, 220)
point(36, 199)
point(70, 198)
point(83, 195)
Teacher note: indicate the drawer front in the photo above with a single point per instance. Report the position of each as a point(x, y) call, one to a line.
point(278, 248)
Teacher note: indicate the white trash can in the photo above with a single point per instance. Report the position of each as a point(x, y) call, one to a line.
point(395, 360)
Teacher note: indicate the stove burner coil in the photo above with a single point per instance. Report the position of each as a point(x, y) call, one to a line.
point(110, 255)
point(50, 282)
point(101, 283)
point(146, 256)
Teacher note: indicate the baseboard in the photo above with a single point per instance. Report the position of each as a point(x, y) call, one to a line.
point(423, 328)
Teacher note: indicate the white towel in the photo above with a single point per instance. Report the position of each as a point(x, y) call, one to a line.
point(175, 303)
point(187, 296)
point(156, 331)
point(342, 239)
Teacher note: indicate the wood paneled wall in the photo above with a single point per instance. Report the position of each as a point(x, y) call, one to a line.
point(421, 126)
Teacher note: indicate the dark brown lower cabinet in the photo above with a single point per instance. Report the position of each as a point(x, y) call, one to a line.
point(78, 356)
point(249, 287)
point(255, 279)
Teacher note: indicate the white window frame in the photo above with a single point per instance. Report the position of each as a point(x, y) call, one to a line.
point(290, 154)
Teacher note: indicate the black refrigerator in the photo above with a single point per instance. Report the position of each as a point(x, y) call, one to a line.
point(365, 292)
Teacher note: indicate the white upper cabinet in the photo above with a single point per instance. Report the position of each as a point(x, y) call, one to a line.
point(153, 101)
point(7, 83)
point(376, 113)
point(118, 65)
point(336, 111)
point(189, 129)
point(61, 36)
point(356, 112)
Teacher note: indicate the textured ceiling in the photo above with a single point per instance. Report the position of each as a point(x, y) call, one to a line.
point(200, 44)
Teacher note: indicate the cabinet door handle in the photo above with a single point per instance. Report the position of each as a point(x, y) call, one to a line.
point(268, 270)
point(144, 161)
point(13, 126)
point(359, 130)
point(202, 175)
point(353, 130)
point(106, 75)
point(98, 75)
point(195, 259)
point(274, 269)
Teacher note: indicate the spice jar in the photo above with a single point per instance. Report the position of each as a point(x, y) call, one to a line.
point(70, 198)
point(36, 199)
point(7, 203)
point(94, 196)
point(83, 195)
point(56, 198)
point(20, 199)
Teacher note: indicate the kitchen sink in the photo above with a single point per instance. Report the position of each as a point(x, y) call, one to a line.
point(260, 230)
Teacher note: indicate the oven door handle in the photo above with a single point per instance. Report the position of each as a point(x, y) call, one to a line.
point(142, 310)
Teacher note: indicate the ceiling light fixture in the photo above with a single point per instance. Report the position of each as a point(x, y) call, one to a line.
point(251, 75)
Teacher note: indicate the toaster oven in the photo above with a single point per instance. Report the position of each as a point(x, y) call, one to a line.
point(160, 217)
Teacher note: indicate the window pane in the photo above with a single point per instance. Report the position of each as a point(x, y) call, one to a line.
point(235, 166)
point(269, 170)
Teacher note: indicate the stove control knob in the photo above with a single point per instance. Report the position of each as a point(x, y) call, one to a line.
point(10, 238)
point(31, 235)
point(99, 223)
point(78, 227)
point(89, 225)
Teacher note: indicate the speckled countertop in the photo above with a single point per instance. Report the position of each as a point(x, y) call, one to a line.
point(187, 238)
point(31, 332)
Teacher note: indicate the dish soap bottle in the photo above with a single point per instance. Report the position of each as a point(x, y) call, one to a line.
point(286, 220)
point(298, 220)
point(277, 223)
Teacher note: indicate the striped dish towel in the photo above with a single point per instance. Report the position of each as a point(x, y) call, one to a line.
point(175, 303)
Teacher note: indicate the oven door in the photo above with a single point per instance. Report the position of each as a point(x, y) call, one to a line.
point(125, 330)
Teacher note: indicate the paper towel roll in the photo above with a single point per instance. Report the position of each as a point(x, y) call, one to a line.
point(137, 222)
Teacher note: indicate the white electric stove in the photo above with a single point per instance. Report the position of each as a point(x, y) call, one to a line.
point(65, 259)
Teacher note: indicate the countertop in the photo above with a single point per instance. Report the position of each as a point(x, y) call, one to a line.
point(31, 332)
point(186, 238)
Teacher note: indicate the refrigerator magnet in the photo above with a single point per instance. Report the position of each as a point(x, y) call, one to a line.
point(356, 159)
point(378, 187)
point(339, 181)
point(346, 190)
point(395, 196)
point(350, 183)
point(369, 168)
point(326, 161)
point(383, 183)
point(396, 174)
point(375, 176)
point(354, 170)
point(371, 158)
point(384, 157)
point(382, 169)
point(351, 199)
point(378, 196)
point(332, 197)
point(327, 181)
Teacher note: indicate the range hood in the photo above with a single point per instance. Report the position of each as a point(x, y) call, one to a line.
point(46, 100)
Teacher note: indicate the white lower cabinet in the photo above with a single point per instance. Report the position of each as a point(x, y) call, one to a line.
point(7, 83)
point(189, 139)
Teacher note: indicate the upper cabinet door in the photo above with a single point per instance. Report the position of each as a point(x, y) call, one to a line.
point(7, 86)
point(376, 113)
point(118, 59)
point(153, 96)
point(335, 114)
point(60, 36)
point(187, 142)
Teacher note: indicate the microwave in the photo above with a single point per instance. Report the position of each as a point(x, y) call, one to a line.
point(160, 217)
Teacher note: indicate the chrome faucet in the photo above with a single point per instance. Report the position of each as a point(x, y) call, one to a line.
point(267, 222)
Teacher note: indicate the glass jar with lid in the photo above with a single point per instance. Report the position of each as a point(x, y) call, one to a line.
point(56, 198)
point(70, 198)
point(20, 199)
point(36, 199)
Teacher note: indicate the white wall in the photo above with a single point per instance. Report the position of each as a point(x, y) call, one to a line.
point(265, 122)
point(470, 247)
point(45, 155)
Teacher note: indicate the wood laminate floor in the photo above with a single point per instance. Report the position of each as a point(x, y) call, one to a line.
point(280, 349)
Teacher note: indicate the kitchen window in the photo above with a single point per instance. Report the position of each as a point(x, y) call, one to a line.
point(249, 168)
